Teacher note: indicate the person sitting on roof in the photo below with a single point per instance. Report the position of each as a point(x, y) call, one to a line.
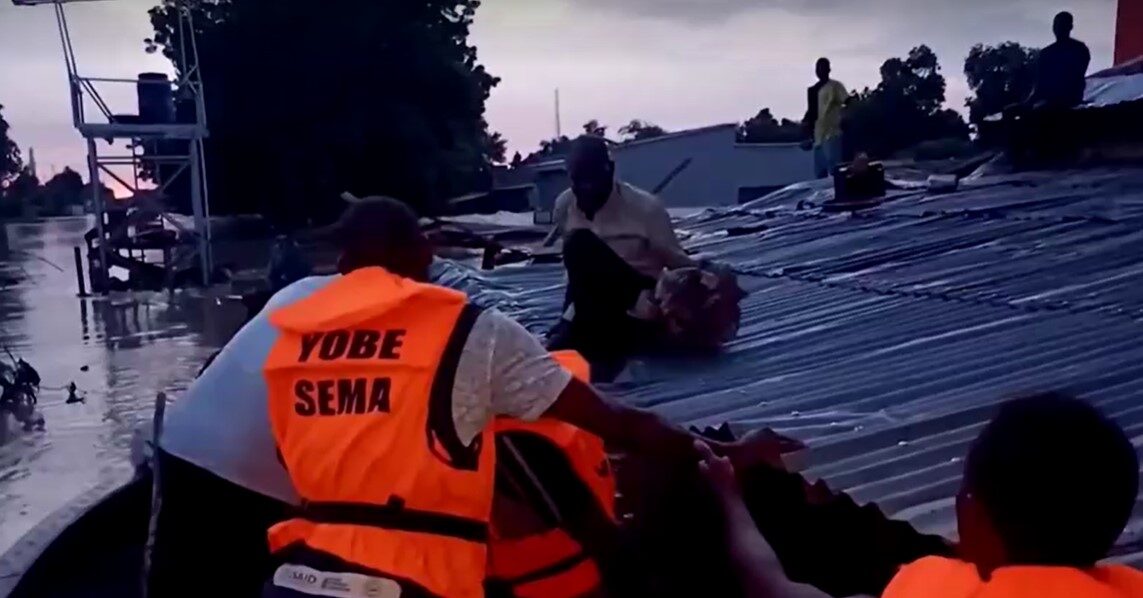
point(618, 239)
point(1061, 68)
point(1035, 513)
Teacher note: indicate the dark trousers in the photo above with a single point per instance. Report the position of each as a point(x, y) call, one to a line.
point(209, 534)
point(603, 288)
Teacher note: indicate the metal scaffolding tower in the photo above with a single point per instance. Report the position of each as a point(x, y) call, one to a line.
point(143, 136)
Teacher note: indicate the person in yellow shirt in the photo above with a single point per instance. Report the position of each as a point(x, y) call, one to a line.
point(832, 97)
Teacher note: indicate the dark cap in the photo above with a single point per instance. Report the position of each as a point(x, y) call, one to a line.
point(371, 222)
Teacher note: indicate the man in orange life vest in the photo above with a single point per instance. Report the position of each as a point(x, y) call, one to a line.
point(381, 425)
point(553, 517)
point(1048, 487)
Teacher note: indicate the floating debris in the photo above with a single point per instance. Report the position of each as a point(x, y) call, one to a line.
point(21, 384)
point(72, 398)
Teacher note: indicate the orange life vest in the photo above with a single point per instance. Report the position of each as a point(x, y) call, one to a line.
point(552, 564)
point(360, 384)
point(937, 577)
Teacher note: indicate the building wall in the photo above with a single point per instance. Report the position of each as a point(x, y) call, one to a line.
point(773, 165)
point(647, 164)
point(718, 166)
point(718, 169)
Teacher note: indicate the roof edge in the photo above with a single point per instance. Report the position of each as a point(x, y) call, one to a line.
point(675, 135)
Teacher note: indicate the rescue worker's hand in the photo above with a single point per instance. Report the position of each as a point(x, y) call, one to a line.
point(760, 447)
point(719, 473)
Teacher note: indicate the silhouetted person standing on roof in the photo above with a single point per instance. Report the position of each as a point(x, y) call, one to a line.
point(831, 98)
point(1061, 68)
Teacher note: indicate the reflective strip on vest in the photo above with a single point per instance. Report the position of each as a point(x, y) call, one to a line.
point(938, 577)
point(360, 405)
point(552, 564)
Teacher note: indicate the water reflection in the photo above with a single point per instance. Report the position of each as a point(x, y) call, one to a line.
point(120, 351)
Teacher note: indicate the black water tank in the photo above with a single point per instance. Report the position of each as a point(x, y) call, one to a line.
point(156, 99)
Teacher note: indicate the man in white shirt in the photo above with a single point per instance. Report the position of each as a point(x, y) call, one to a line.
point(618, 239)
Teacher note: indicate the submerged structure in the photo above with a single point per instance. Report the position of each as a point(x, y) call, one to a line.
point(162, 140)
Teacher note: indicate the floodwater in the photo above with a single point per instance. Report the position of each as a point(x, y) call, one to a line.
point(120, 351)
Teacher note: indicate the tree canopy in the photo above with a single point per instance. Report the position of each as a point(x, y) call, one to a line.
point(904, 109)
point(304, 102)
point(638, 130)
point(11, 165)
point(764, 128)
point(64, 189)
point(998, 76)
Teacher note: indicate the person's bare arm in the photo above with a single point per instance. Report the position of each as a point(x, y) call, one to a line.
point(759, 571)
point(525, 382)
point(619, 425)
point(559, 218)
point(553, 235)
point(664, 240)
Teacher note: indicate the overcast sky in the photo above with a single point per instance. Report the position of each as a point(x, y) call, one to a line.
point(678, 63)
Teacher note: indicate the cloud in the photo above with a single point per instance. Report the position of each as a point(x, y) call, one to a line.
point(936, 13)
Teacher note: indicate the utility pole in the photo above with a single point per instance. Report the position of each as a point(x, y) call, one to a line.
point(559, 132)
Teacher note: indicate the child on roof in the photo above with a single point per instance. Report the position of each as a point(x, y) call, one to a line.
point(1048, 487)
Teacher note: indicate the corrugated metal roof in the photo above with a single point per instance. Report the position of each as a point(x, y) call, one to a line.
point(884, 339)
point(1112, 90)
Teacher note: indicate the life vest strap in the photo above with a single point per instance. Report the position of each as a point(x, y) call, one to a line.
point(557, 568)
point(444, 442)
point(395, 516)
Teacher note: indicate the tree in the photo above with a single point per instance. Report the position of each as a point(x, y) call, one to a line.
point(593, 127)
point(495, 147)
point(305, 102)
point(62, 190)
point(11, 165)
point(550, 149)
point(904, 109)
point(638, 130)
point(998, 76)
point(764, 128)
point(517, 160)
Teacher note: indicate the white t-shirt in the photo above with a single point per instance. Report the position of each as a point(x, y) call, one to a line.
point(223, 426)
point(633, 223)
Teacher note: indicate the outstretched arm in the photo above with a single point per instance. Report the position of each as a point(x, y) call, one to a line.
point(619, 425)
point(559, 218)
point(759, 572)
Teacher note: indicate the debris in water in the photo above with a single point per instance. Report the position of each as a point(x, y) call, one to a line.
point(72, 397)
point(84, 368)
point(21, 383)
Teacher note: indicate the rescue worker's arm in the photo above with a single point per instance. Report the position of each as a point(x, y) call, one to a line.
point(518, 378)
point(524, 381)
point(618, 425)
point(759, 571)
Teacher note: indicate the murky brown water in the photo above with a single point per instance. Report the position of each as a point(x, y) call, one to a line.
point(133, 346)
